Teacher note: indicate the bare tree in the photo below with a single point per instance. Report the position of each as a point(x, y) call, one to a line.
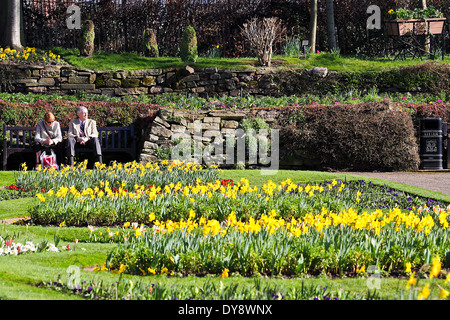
point(10, 29)
point(313, 25)
point(262, 35)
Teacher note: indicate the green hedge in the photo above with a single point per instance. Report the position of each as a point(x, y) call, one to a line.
point(105, 113)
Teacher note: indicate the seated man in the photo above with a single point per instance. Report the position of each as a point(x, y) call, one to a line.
point(48, 136)
point(83, 132)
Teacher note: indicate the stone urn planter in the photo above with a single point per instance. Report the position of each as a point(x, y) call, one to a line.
point(414, 26)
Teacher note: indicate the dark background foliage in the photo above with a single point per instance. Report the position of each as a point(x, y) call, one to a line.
point(119, 25)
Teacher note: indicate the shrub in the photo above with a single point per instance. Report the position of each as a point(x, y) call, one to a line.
point(373, 136)
point(150, 44)
point(188, 49)
point(86, 41)
point(262, 35)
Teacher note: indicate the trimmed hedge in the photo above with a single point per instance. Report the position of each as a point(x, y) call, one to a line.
point(373, 136)
point(105, 113)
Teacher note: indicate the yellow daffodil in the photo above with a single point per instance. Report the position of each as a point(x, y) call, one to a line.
point(444, 294)
point(435, 268)
point(408, 267)
point(425, 293)
point(225, 273)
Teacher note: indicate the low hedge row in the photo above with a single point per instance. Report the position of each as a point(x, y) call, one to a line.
point(370, 136)
point(431, 78)
point(105, 113)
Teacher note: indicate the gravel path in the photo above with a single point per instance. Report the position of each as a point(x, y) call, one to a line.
point(434, 181)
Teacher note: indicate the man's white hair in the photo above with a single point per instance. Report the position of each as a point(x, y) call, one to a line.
point(82, 108)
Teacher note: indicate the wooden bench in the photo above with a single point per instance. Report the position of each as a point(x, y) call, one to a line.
point(18, 139)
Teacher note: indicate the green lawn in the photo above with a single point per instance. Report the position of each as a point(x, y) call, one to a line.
point(19, 274)
point(134, 61)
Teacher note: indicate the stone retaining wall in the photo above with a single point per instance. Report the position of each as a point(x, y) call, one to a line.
point(209, 128)
point(67, 80)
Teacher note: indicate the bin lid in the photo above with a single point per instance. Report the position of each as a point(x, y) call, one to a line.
point(431, 123)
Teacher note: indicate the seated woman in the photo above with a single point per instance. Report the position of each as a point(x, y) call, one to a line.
point(48, 136)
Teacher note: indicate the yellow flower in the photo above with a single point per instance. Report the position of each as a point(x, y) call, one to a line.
point(164, 270)
point(361, 270)
point(435, 268)
point(408, 267)
point(122, 268)
point(138, 232)
point(423, 295)
point(444, 294)
point(225, 273)
point(412, 281)
point(151, 271)
point(62, 224)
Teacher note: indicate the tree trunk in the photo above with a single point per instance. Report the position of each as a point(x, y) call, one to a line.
point(330, 25)
point(10, 29)
point(313, 26)
point(427, 38)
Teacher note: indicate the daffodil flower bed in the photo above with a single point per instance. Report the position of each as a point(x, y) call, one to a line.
point(29, 55)
point(115, 175)
point(181, 218)
point(119, 193)
point(325, 242)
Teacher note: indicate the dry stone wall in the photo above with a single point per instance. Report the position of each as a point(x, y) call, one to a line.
point(205, 129)
point(67, 80)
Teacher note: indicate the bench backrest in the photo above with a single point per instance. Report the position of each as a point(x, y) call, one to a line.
point(111, 138)
point(18, 137)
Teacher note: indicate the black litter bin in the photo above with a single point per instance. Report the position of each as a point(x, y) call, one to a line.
point(431, 144)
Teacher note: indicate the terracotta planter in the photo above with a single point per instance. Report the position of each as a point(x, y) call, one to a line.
point(436, 25)
point(414, 26)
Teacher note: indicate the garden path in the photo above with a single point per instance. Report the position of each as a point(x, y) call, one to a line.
point(438, 181)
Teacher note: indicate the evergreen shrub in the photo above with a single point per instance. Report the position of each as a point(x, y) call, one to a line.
point(188, 48)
